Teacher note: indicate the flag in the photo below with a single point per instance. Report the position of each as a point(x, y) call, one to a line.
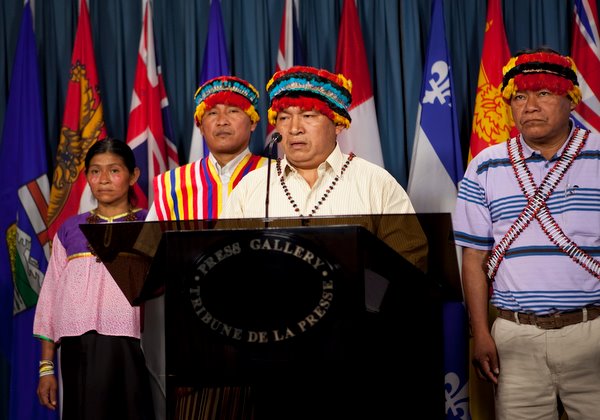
point(435, 171)
point(436, 165)
point(24, 248)
point(290, 51)
point(585, 51)
point(492, 119)
point(149, 130)
point(362, 137)
point(214, 64)
point(290, 46)
point(492, 124)
point(82, 126)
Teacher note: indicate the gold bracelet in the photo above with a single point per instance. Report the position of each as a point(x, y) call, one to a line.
point(50, 372)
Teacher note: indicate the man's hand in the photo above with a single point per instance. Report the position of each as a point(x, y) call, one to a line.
point(485, 358)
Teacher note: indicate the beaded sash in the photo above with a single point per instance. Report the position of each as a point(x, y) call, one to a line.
point(536, 206)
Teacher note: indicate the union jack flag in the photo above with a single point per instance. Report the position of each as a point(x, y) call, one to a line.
point(290, 46)
point(290, 52)
point(585, 50)
point(149, 130)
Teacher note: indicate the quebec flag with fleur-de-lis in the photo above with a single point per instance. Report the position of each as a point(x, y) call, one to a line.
point(435, 172)
point(436, 166)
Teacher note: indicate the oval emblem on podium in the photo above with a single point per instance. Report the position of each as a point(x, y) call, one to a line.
point(262, 288)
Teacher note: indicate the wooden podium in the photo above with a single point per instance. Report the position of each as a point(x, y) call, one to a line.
point(320, 317)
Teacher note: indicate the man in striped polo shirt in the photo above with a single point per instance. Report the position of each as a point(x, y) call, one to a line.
point(528, 219)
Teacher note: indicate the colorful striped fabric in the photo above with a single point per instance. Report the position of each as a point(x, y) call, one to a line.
point(195, 191)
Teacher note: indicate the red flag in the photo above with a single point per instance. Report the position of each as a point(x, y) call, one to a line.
point(492, 119)
point(148, 132)
point(362, 137)
point(492, 124)
point(82, 126)
point(586, 54)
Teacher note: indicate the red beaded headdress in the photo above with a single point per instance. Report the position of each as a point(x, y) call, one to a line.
point(311, 88)
point(226, 90)
point(541, 70)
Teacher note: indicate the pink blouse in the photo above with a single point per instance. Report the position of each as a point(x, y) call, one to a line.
point(78, 293)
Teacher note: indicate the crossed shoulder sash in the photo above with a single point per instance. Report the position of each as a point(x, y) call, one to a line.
point(536, 205)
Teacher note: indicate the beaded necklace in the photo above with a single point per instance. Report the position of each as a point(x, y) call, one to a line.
point(325, 194)
point(94, 218)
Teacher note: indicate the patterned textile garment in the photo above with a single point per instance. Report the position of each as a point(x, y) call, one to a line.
point(199, 190)
point(82, 309)
point(535, 276)
point(76, 282)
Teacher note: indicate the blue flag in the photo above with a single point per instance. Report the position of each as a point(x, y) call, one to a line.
point(456, 353)
point(436, 169)
point(214, 64)
point(24, 249)
point(436, 166)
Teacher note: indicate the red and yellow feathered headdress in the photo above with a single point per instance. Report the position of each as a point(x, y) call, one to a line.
point(542, 69)
point(311, 88)
point(227, 90)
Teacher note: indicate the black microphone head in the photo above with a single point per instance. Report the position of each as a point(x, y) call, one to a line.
point(276, 137)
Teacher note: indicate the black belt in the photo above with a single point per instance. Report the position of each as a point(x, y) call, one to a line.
point(551, 321)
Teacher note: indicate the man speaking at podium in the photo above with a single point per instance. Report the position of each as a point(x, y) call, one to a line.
point(309, 108)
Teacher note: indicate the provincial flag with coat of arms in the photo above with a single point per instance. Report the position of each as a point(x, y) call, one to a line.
point(585, 51)
point(82, 126)
point(25, 244)
point(492, 118)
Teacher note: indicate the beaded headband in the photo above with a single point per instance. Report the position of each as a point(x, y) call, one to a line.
point(226, 90)
point(541, 70)
point(311, 88)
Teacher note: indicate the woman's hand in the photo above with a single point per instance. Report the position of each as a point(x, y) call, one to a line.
point(46, 391)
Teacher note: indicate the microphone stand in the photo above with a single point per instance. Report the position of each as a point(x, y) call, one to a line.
point(275, 138)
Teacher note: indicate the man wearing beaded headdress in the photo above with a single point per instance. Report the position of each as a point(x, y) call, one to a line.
point(528, 219)
point(226, 115)
point(309, 108)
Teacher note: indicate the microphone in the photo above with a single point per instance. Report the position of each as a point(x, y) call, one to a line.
point(275, 139)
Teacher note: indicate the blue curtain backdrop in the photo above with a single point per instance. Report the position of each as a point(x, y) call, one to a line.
point(395, 33)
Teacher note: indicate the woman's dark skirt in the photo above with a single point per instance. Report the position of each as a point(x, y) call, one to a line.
point(104, 378)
